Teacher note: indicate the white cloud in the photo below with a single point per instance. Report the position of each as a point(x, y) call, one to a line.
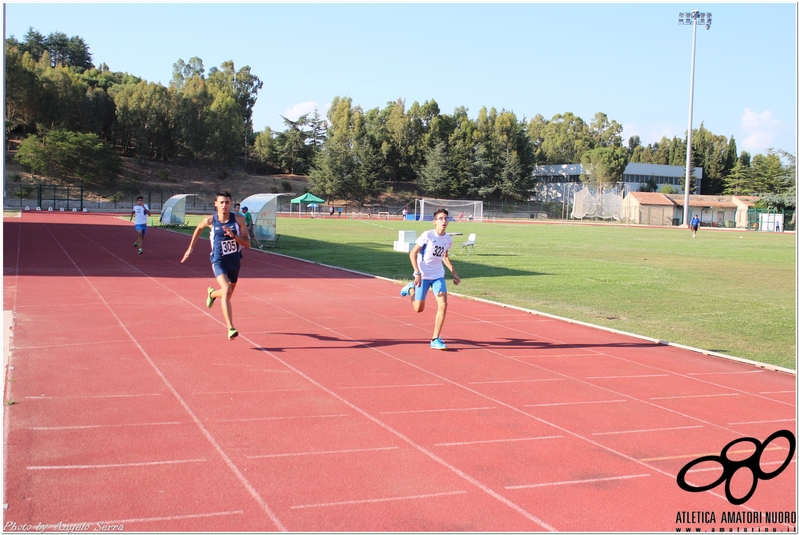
point(300, 109)
point(761, 131)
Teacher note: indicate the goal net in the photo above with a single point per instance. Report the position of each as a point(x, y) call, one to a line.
point(459, 210)
point(594, 202)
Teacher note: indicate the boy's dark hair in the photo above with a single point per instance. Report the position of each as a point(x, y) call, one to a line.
point(139, 197)
point(440, 211)
point(223, 194)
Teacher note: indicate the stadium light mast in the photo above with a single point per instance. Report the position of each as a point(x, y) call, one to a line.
point(692, 19)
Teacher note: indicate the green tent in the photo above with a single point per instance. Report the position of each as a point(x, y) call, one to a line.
point(307, 199)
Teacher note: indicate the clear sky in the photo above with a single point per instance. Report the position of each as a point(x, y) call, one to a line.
point(631, 61)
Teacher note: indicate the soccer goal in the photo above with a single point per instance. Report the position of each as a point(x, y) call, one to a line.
point(459, 210)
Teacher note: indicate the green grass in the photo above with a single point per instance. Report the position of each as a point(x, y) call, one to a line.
point(725, 291)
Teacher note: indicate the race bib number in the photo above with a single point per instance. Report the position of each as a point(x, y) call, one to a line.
point(229, 247)
point(438, 251)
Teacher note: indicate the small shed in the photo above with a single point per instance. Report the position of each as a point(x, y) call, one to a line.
point(174, 210)
point(263, 209)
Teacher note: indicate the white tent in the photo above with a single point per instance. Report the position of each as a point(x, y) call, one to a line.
point(263, 209)
point(174, 210)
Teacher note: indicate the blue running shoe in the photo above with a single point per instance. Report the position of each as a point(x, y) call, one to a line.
point(438, 343)
point(406, 290)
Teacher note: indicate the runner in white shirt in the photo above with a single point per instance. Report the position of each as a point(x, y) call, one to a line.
point(141, 211)
point(428, 258)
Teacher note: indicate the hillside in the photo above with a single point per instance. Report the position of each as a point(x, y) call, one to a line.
point(139, 178)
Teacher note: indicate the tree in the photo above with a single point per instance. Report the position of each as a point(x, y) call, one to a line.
point(603, 166)
point(72, 154)
point(651, 185)
point(434, 176)
point(605, 132)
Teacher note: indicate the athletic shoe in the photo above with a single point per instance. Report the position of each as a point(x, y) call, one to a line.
point(140, 251)
point(438, 343)
point(210, 301)
point(406, 290)
point(135, 244)
point(232, 333)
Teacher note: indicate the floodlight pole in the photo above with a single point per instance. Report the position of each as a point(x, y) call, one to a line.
point(692, 19)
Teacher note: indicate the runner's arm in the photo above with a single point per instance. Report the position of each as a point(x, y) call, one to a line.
point(203, 224)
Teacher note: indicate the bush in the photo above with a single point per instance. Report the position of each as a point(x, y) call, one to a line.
point(25, 191)
point(287, 186)
point(15, 177)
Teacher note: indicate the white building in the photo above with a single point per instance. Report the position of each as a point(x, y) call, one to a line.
point(556, 180)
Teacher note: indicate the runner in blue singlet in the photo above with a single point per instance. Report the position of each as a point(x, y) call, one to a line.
point(227, 241)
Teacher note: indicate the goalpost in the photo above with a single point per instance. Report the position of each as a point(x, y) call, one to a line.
point(459, 210)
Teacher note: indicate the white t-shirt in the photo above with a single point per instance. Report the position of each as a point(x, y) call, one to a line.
point(140, 214)
point(431, 256)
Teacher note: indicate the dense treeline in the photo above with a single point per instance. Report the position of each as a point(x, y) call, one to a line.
point(57, 98)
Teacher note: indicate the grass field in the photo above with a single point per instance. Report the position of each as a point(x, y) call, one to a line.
point(726, 291)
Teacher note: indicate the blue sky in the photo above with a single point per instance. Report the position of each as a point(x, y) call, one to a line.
point(631, 61)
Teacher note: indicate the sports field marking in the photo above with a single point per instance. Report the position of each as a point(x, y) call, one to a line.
point(726, 373)
point(236, 392)
point(495, 440)
point(99, 426)
point(670, 475)
point(717, 468)
point(575, 403)
point(261, 419)
point(441, 410)
point(780, 392)
point(576, 481)
point(117, 465)
point(629, 376)
point(696, 396)
point(198, 423)
point(513, 381)
point(648, 430)
point(379, 500)
point(697, 455)
point(390, 386)
point(551, 356)
point(328, 452)
point(763, 422)
point(105, 396)
point(151, 519)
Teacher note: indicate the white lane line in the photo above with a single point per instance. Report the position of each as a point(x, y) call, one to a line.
point(648, 430)
point(65, 527)
point(696, 396)
point(719, 467)
point(575, 482)
point(389, 386)
point(576, 403)
point(725, 373)
point(99, 426)
point(780, 392)
point(495, 440)
point(378, 500)
point(440, 410)
point(260, 419)
point(209, 437)
point(232, 392)
point(764, 421)
point(329, 452)
point(512, 381)
point(118, 465)
point(105, 396)
point(630, 376)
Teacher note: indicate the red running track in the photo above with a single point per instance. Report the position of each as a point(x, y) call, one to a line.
point(127, 405)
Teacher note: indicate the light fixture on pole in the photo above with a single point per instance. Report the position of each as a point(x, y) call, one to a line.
point(692, 19)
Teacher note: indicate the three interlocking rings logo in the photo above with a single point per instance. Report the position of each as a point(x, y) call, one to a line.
point(730, 467)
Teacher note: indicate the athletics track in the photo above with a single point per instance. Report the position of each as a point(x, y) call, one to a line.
point(127, 405)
